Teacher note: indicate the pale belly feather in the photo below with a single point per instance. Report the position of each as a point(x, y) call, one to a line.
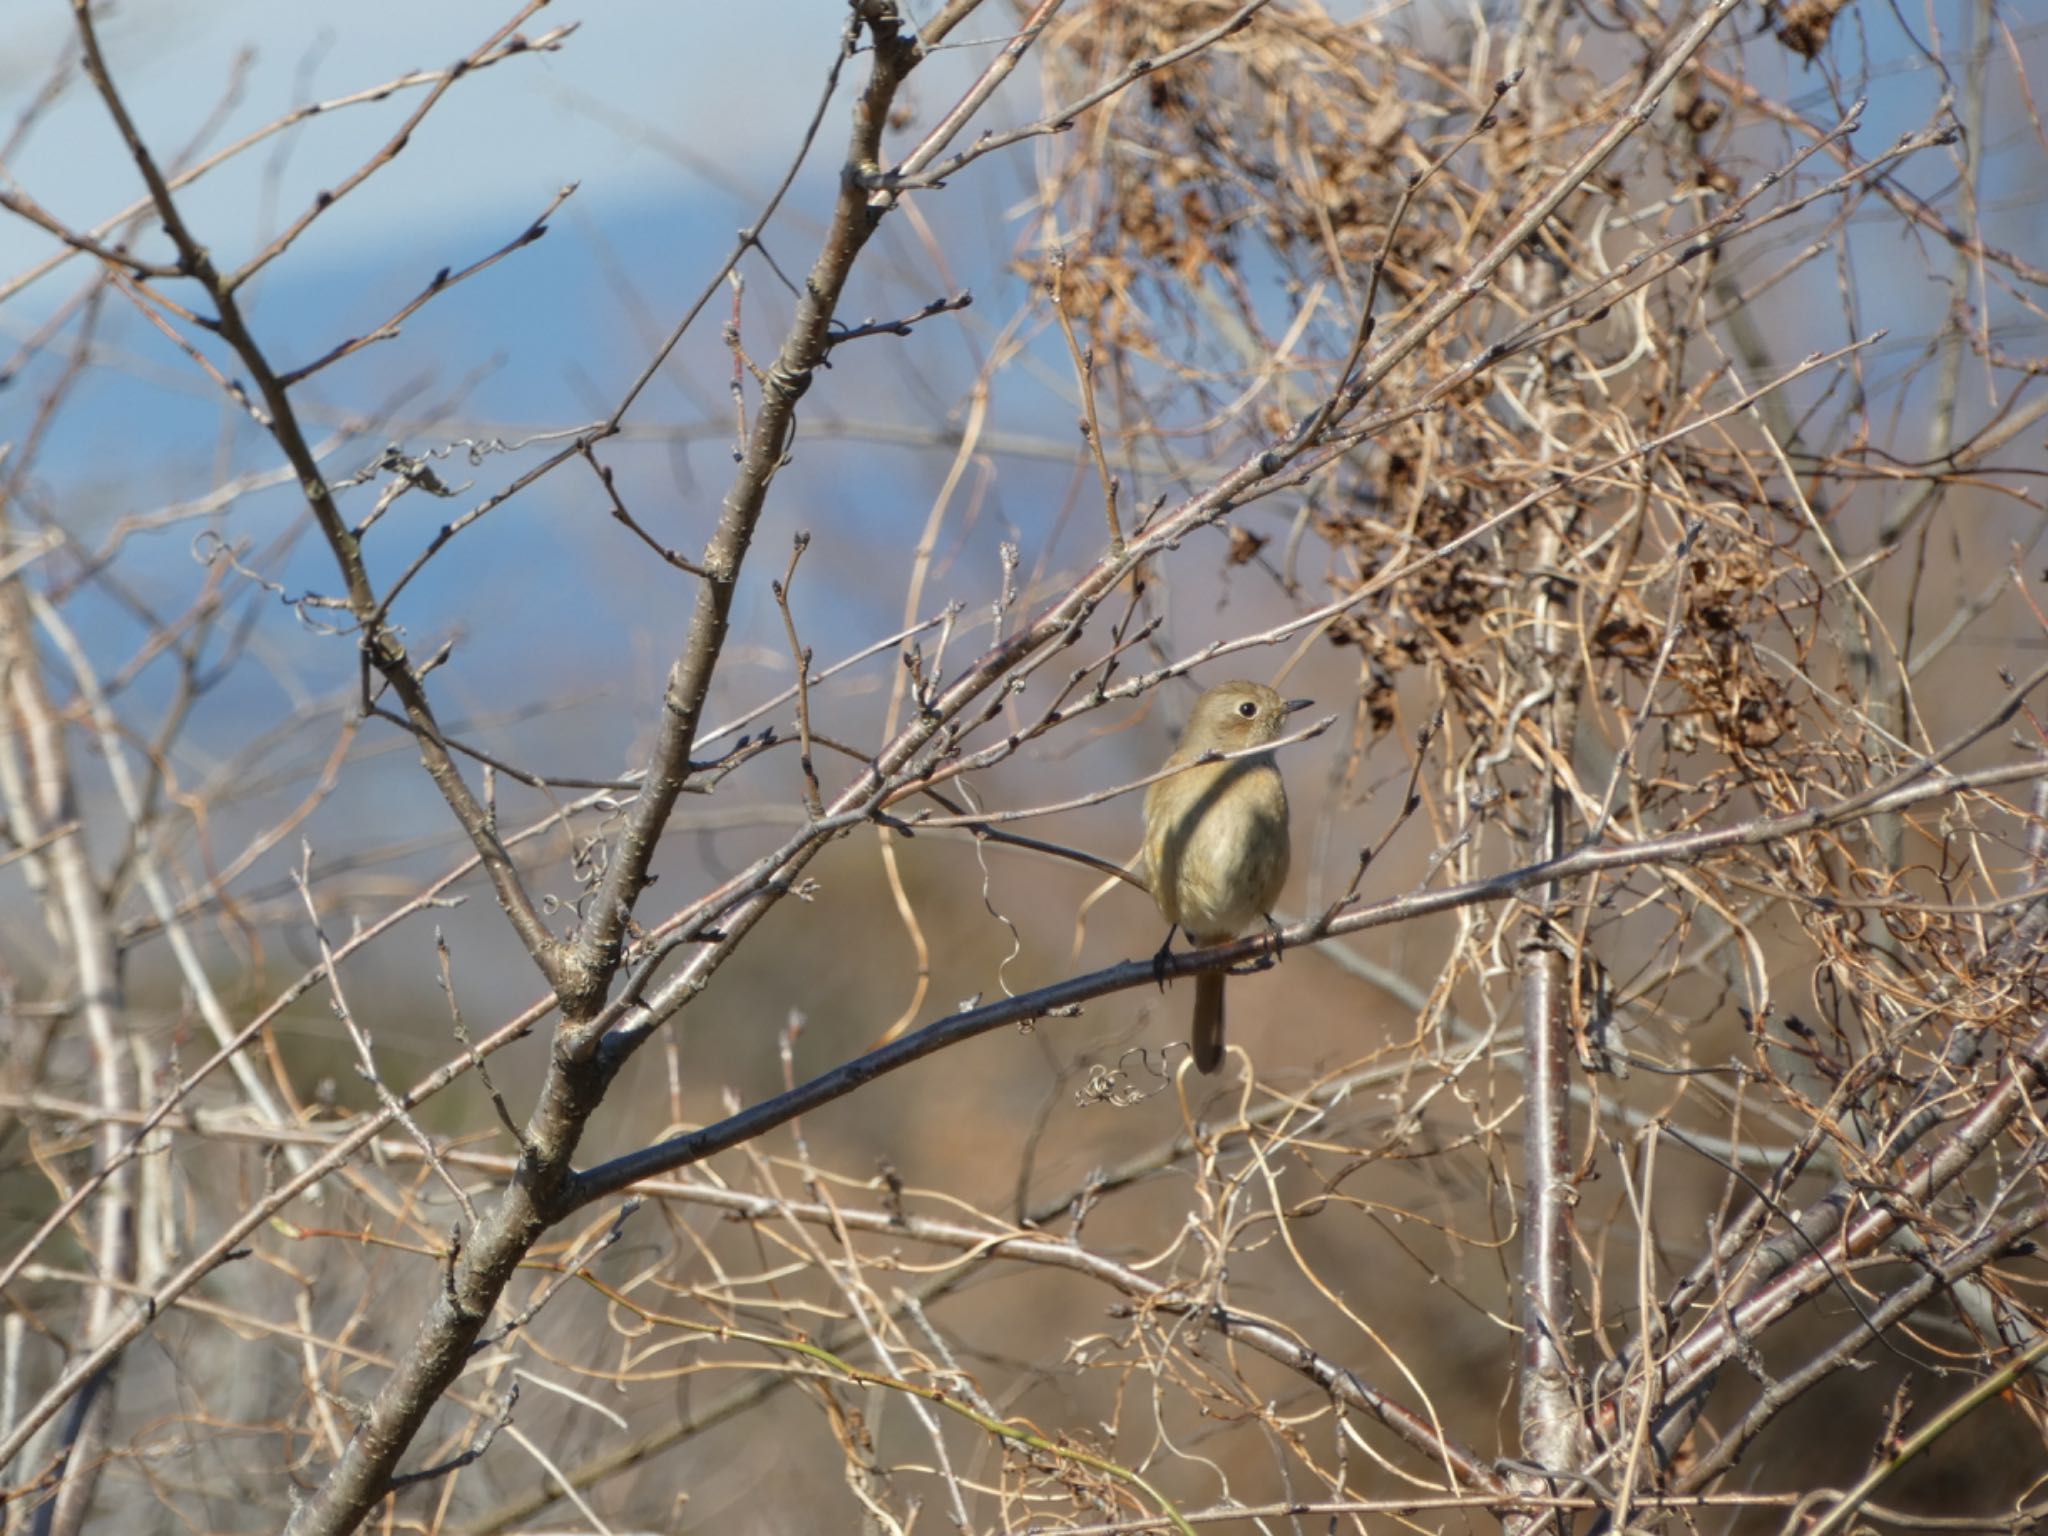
point(1220, 864)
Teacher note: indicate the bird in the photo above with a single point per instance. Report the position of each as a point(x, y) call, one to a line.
point(1216, 841)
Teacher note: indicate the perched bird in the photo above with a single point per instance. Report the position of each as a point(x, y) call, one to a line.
point(1216, 844)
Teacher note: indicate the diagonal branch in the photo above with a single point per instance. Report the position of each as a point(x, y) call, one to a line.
point(593, 955)
point(381, 644)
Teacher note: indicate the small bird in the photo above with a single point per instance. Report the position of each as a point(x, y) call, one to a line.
point(1216, 844)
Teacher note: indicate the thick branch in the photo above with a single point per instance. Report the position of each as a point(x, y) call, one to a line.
point(1552, 1419)
point(594, 954)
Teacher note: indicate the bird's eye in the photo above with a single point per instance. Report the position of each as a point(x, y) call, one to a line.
point(1247, 709)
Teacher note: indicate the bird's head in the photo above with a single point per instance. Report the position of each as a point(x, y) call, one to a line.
point(1235, 715)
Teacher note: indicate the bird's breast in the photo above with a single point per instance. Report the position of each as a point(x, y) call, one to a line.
point(1217, 846)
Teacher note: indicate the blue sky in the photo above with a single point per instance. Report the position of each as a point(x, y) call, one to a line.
point(674, 119)
point(687, 70)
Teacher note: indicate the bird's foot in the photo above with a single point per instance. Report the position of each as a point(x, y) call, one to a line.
point(1159, 959)
point(1270, 958)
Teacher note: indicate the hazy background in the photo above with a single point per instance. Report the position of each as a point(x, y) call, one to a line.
point(676, 121)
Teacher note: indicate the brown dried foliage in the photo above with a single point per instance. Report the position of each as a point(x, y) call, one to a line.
point(1663, 1058)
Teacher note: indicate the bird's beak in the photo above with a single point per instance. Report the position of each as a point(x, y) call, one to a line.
point(1294, 706)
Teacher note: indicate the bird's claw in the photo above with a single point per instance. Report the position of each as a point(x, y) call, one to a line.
point(1159, 960)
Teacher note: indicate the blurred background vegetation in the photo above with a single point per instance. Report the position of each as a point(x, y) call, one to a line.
point(1708, 499)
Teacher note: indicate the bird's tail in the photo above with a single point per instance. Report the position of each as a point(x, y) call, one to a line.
point(1207, 1034)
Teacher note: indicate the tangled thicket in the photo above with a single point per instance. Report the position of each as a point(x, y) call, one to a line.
point(1644, 1129)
